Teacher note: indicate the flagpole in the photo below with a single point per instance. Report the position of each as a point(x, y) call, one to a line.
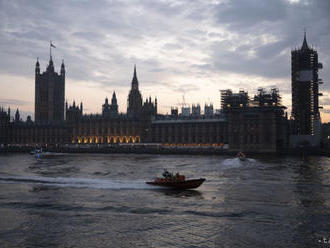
point(50, 49)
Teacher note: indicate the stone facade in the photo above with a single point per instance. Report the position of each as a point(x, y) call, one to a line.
point(189, 131)
point(96, 129)
point(263, 129)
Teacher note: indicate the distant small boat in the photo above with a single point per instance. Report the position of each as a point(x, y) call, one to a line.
point(35, 151)
point(42, 154)
point(176, 181)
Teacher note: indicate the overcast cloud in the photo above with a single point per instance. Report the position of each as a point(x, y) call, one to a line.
point(180, 47)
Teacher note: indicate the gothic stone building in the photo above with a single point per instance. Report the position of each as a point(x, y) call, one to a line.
point(111, 127)
point(245, 125)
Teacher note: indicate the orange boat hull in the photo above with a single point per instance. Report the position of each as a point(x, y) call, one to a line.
point(187, 184)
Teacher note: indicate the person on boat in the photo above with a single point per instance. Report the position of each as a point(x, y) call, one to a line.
point(167, 174)
point(241, 155)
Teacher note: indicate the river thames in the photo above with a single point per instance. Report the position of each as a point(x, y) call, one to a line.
point(101, 200)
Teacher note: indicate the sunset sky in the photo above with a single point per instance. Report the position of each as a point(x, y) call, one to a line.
point(181, 47)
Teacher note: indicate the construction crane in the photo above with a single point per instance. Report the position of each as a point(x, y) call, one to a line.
point(183, 103)
point(185, 108)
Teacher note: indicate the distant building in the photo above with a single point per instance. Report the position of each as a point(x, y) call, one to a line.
point(49, 94)
point(185, 111)
point(264, 98)
point(174, 112)
point(17, 116)
point(4, 126)
point(325, 135)
point(230, 99)
point(259, 125)
point(196, 110)
point(305, 89)
point(208, 110)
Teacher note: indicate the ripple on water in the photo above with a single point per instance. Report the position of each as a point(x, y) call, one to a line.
point(99, 200)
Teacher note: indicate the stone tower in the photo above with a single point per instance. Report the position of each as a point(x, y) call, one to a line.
point(134, 101)
point(305, 89)
point(49, 93)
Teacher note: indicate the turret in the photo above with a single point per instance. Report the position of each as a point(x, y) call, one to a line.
point(62, 68)
point(135, 82)
point(37, 67)
point(17, 116)
point(81, 107)
point(50, 65)
point(29, 119)
point(114, 99)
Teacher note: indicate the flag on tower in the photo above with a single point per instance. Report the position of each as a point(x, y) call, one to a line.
point(51, 44)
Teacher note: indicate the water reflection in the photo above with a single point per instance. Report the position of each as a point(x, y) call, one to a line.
point(103, 201)
point(181, 193)
point(312, 226)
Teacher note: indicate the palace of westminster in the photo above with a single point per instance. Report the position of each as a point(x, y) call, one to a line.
point(244, 123)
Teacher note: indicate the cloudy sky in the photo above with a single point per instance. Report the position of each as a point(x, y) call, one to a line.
point(180, 47)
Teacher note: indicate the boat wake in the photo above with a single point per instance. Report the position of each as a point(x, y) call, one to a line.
point(231, 163)
point(75, 182)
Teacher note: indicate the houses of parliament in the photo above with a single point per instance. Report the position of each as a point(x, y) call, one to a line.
point(257, 124)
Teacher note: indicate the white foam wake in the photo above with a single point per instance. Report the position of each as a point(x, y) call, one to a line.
point(236, 162)
point(76, 182)
point(232, 163)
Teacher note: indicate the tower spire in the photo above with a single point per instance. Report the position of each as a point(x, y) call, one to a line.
point(37, 67)
point(62, 68)
point(304, 45)
point(135, 82)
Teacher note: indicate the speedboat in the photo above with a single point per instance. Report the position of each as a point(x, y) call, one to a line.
point(176, 181)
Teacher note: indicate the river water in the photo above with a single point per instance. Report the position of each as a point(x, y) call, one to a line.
point(101, 200)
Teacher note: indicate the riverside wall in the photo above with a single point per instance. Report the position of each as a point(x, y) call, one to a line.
point(155, 149)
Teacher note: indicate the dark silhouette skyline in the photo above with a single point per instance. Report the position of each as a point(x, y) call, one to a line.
point(181, 48)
